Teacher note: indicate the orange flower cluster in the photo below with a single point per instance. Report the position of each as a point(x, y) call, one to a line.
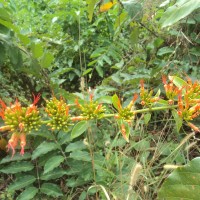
point(171, 90)
point(58, 111)
point(20, 121)
point(188, 101)
point(89, 110)
point(147, 96)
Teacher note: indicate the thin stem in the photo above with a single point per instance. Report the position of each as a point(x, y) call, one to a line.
point(145, 110)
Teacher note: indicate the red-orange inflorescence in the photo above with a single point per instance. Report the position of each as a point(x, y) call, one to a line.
point(147, 98)
point(20, 121)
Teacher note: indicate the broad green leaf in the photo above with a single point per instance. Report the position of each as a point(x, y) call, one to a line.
point(4, 14)
point(28, 193)
point(116, 101)
point(87, 71)
point(178, 120)
point(178, 11)
point(90, 8)
point(16, 167)
point(99, 70)
point(165, 50)
point(79, 129)
point(142, 145)
point(147, 118)
point(105, 99)
point(46, 60)
point(79, 145)
point(51, 189)
point(44, 148)
point(37, 50)
point(24, 39)
point(134, 36)
point(56, 173)
point(182, 183)
point(21, 182)
point(134, 9)
point(178, 81)
point(52, 163)
point(120, 20)
point(80, 155)
point(17, 157)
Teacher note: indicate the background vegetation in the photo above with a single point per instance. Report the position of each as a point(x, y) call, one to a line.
point(63, 47)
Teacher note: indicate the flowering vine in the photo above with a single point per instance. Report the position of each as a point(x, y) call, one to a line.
point(182, 97)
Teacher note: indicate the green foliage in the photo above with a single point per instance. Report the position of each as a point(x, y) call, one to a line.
point(178, 11)
point(66, 46)
point(183, 182)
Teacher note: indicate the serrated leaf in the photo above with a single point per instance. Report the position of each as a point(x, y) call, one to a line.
point(17, 157)
point(56, 173)
point(37, 50)
point(46, 60)
point(79, 129)
point(52, 163)
point(21, 183)
point(28, 193)
point(80, 155)
point(182, 183)
point(79, 145)
point(44, 148)
point(51, 189)
point(16, 167)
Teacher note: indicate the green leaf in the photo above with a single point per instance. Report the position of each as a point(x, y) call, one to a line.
point(54, 174)
point(134, 36)
point(37, 50)
point(90, 8)
point(87, 71)
point(116, 101)
point(28, 193)
point(147, 117)
point(178, 120)
point(17, 157)
point(134, 9)
point(79, 145)
point(46, 60)
point(21, 182)
point(182, 183)
point(52, 163)
point(51, 189)
point(178, 11)
point(80, 155)
point(178, 81)
point(4, 14)
point(165, 50)
point(44, 148)
point(99, 70)
point(79, 129)
point(16, 167)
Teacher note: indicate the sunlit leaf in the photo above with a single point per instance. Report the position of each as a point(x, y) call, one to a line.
point(182, 183)
point(79, 129)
